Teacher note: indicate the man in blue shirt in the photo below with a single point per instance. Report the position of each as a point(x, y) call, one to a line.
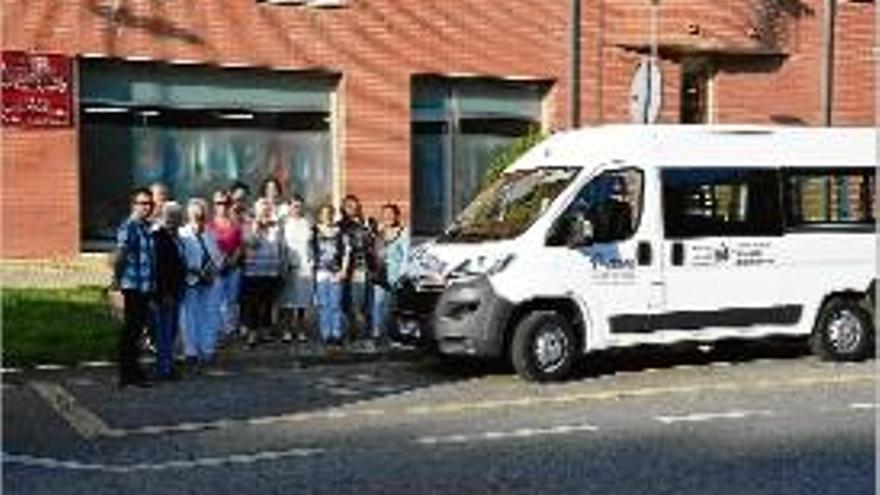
point(134, 267)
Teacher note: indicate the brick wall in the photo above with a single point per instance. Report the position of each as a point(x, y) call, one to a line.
point(377, 45)
point(40, 200)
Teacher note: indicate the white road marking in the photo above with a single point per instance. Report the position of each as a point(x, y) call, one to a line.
point(49, 367)
point(50, 463)
point(342, 391)
point(505, 435)
point(10, 371)
point(389, 389)
point(863, 405)
point(97, 364)
point(85, 422)
point(258, 421)
point(82, 382)
point(701, 417)
point(218, 373)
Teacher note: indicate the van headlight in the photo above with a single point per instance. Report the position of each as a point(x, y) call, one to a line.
point(483, 265)
point(422, 262)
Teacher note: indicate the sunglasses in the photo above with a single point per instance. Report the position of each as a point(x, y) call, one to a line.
point(224, 203)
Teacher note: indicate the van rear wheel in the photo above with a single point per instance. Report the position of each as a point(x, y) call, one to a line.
point(844, 331)
point(543, 347)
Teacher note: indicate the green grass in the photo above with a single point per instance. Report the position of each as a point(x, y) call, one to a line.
point(61, 326)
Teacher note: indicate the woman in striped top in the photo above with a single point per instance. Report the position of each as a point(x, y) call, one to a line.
point(264, 260)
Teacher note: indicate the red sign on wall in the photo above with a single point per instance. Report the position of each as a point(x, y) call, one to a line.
point(37, 90)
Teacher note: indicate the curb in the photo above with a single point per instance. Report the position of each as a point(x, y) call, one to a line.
point(241, 357)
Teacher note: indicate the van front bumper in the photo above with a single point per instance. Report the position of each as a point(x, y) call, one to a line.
point(467, 318)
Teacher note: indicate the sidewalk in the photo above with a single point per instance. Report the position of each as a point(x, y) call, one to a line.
point(237, 354)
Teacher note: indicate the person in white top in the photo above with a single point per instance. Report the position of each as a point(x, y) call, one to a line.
point(200, 314)
point(296, 296)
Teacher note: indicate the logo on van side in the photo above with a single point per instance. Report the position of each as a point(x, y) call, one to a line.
point(599, 261)
point(611, 268)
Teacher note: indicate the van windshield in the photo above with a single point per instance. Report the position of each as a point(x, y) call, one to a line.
point(510, 205)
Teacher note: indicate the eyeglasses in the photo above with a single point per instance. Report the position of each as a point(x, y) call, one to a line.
point(224, 203)
point(144, 203)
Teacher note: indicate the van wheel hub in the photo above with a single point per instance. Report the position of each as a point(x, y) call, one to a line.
point(550, 348)
point(845, 331)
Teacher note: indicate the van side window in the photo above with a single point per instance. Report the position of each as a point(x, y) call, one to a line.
point(612, 202)
point(705, 202)
point(830, 198)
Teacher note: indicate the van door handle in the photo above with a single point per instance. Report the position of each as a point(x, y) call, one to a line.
point(677, 254)
point(644, 254)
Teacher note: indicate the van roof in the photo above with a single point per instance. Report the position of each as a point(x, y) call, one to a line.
point(706, 145)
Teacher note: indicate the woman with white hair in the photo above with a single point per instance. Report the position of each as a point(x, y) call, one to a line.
point(201, 301)
point(263, 263)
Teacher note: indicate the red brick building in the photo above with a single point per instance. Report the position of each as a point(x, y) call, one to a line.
point(392, 100)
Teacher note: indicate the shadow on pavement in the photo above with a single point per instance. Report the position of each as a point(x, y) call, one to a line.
point(635, 359)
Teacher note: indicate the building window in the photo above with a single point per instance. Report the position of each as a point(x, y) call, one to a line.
point(196, 129)
point(458, 126)
point(708, 202)
point(696, 76)
point(817, 198)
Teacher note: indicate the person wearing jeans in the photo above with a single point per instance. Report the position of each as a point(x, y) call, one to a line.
point(356, 284)
point(328, 253)
point(230, 239)
point(391, 249)
point(170, 274)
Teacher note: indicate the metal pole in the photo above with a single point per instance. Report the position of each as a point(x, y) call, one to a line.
point(826, 89)
point(574, 68)
point(876, 54)
point(654, 28)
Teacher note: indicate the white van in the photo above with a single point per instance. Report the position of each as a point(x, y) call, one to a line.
point(624, 235)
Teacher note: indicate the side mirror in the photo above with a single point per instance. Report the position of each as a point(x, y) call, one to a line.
point(581, 233)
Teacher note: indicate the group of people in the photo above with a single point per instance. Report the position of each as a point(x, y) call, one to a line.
point(218, 271)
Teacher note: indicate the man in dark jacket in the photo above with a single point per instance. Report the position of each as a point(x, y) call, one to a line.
point(170, 274)
point(356, 286)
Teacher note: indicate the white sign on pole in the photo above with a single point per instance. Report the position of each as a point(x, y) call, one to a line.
point(645, 92)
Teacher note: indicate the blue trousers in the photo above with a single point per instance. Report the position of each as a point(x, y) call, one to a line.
point(380, 318)
point(357, 299)
point(201, 321)
point(230, 290)
point(329, 298)
point(167, 315)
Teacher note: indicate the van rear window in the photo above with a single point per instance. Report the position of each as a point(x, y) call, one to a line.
point(830, 198)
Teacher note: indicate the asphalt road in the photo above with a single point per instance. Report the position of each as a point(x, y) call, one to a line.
point(743, 419)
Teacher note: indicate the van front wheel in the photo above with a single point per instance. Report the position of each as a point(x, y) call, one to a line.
point(844, 331)
point(543, 347)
